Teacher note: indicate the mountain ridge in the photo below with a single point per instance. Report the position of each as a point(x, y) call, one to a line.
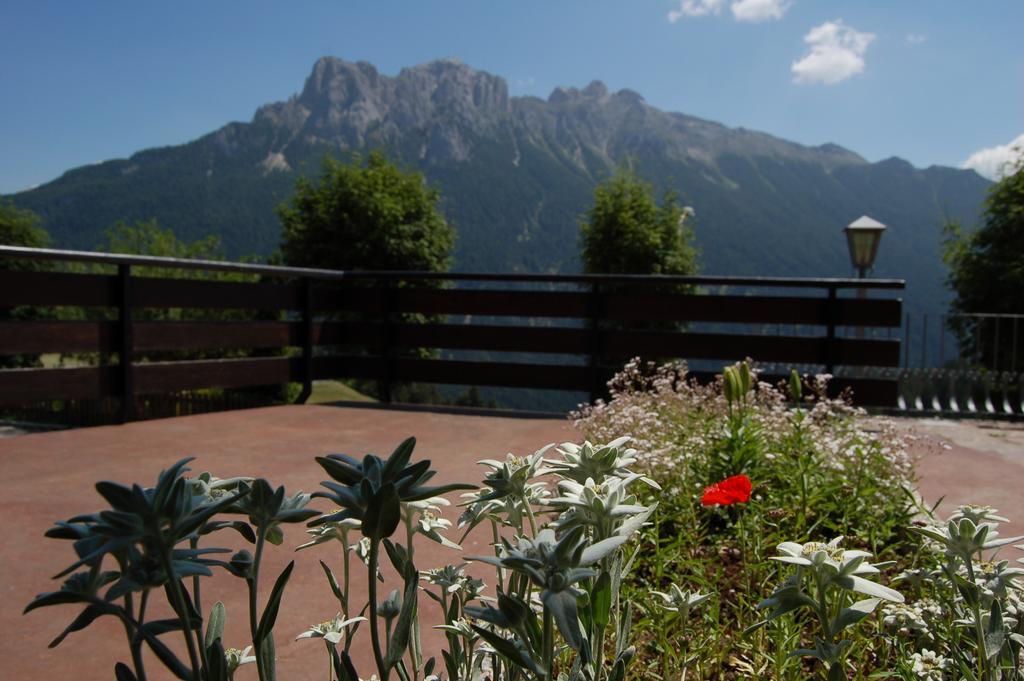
point(517, 173)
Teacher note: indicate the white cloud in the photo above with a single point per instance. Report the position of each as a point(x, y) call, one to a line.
point(759, 10)
point(993, 162)
point(836, 53)
point(695, 8)
point(916, 38)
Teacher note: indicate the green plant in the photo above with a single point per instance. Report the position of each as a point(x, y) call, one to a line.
point(267, 509)
point(631, 559)
point(373, 492)
point(142, 534)
point(976, 625)
point(567, 556)
point(826, 575)
point(744, 467)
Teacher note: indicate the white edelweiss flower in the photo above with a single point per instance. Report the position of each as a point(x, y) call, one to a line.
point(962, 537)
point(362, 550)
point(511, 475)
point(606, 505)
point(679, 600)
point(330, 630)
point(994, 579)
point(904, 618)
point(235, 658)
point(430, 526)
point(978, 513)
point(597, 462)
point(450, 577)
point(334, 530)
point(840, 566)
point(461, 627)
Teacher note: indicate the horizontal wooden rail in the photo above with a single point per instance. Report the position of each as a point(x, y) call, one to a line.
point(100, 337)
point(23, 386)
point(575, 330)
point(753, 309)
point(89, 290)
point(50, 254)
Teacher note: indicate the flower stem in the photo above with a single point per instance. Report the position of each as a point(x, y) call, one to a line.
point(549, 645)
point(374, 625)
point(254, 581)
point(415, 654)
point(344, 591)
point(497, 552)
point(135, 638)
point(182, 606)
point(979, 629)
point(196, 600)
point(530, 517)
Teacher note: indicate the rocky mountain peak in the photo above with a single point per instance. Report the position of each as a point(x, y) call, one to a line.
point(596, 90)
point(342, 102)
point(450, 87)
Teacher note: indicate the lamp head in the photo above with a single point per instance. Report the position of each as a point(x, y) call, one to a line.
point(863, 236)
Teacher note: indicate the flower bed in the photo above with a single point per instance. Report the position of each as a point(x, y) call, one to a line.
point(775, 500)
point(746, 531)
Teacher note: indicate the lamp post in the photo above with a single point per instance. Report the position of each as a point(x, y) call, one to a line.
point(862, 237)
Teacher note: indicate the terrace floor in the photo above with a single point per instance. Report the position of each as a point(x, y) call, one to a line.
point(50, 476)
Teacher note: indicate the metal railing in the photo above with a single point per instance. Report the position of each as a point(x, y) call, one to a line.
point(965, 364)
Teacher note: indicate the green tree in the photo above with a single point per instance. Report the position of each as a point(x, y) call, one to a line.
point(20, 227)
point(365, 215)
point(986, 270)
point(369, 215)
point(149, 238)
point(627, 232)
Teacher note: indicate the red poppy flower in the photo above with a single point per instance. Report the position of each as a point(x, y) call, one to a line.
point(729, 491)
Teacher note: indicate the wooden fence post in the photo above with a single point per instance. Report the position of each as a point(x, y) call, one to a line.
point(307, 341)
point(126, 344)
point(831, 343)
point(387, 352)
point(596, 313)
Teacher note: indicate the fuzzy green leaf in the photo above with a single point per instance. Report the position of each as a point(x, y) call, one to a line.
point(269, 617)
point(215, 623)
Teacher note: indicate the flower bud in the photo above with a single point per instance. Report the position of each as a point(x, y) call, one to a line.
point(240, 564)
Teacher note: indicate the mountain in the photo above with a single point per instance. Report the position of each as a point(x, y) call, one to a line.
point(518, 172)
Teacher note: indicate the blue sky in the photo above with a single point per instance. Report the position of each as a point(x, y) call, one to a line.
point(932, 81)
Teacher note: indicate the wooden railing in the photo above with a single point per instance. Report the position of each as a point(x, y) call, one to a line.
point(367, 325)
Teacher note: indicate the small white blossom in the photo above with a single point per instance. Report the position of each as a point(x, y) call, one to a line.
point(330, 630)
point(235, 658)
point(930, 666)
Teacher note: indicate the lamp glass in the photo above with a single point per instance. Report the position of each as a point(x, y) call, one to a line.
point(863, 245)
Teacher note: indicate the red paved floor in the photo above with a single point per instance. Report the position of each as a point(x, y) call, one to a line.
point(50, 476)
point(974, 462)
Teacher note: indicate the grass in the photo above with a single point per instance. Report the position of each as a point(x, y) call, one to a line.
point(335, 391)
